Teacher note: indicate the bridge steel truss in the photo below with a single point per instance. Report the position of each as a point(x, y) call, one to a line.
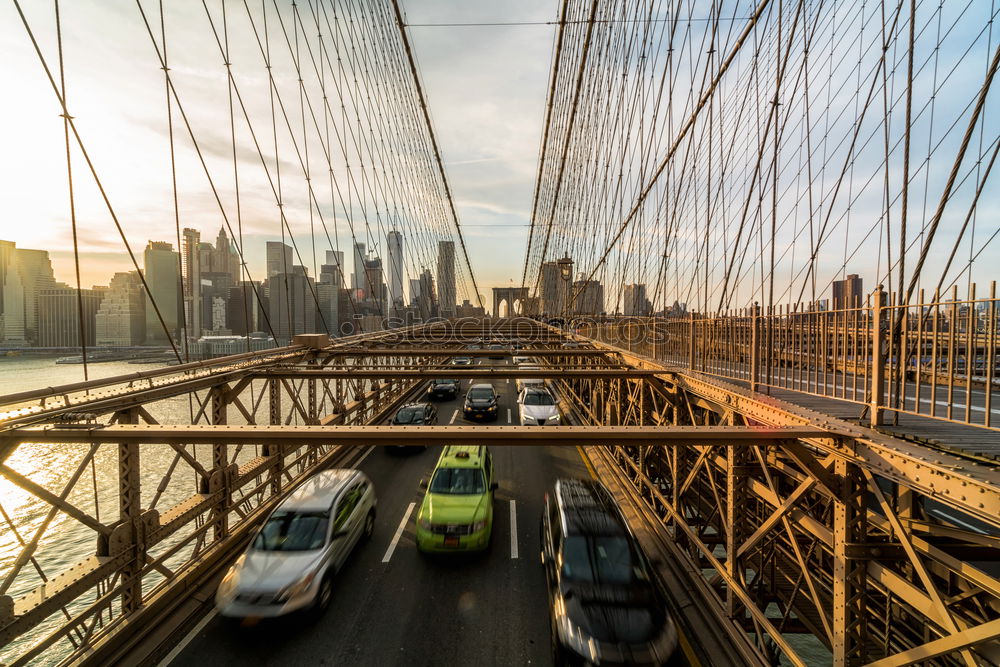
point(881, 550)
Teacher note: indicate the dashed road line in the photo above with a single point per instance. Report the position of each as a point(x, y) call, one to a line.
point(453, 417)
point(513, 529)
point(399, 533)
point(508, 416)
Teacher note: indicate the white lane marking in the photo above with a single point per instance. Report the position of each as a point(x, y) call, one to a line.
point(508, 380)
point(176, 651)
point(453, 416)
point(508, 416)
point(399, 533)
point(513, 529)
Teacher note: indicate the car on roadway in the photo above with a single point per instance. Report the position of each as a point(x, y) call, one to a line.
point(441, 389)
point(456, 513)
point(473, 346)
point(481, 402)
point(537, 407)
point(496, 351)
point(571, 345)
point(292, 559)
point(414, 414)
point(524, 383)
point(605, 604)
point(519, 360)
point(461, 361)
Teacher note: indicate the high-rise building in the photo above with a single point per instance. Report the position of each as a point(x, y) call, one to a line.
point(848, 293)
point(414, 290)
point(446, 279)
point(279, 258)
point(395, 243)
point(59, 312)
point(11, 297)
point(225, 259)
point(375, 284)
point(161, 264)
point(358, 281)
point(332, 271)
point(291, 305)
point(191, 267)
point(588, 297)
point(121, 317)
point(35, 269)
point(634, 302)
point(426, 301)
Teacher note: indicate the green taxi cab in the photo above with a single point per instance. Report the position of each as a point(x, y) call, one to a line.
point(457, 511)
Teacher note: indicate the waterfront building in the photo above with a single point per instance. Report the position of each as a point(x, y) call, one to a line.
point(121, 318)
point(162, 272)
point(59, 312)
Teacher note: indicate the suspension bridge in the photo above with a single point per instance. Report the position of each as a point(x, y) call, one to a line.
point(759, 281)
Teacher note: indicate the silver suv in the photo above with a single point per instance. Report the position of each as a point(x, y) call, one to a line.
point(291, 561)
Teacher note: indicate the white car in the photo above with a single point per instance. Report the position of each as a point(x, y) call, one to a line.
point(524, 383)
point(519, 360)
point(537, 407)
point(291, 561)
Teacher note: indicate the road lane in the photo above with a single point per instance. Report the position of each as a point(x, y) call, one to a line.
point(414, 610)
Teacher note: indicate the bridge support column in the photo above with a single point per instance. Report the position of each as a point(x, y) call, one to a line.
point(275, 452)
point(849, 573)
point(736, 459)
point(877, 389)
point(125, 536)
point(754, 347)
point(219, 481)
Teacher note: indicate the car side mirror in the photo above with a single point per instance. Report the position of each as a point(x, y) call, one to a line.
point(339, 534)
point(423, 484)
point(494, 486)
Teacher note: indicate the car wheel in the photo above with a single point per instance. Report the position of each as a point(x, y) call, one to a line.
point(323, 596)
point(369, 528)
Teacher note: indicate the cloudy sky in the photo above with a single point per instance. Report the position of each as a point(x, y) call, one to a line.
point(485, 85)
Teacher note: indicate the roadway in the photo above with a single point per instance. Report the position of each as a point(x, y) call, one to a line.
point(393, 606)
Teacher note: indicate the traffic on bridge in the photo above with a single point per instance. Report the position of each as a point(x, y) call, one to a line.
point(591, 332)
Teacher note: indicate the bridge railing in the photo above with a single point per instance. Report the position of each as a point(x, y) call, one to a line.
point(934, 357)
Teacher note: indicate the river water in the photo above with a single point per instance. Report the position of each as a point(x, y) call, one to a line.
point(62, 540)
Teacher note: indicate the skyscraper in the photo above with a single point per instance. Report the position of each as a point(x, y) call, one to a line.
point(334, 268)
point(279, 258)
point(446, 278)
point(59, 316)
point(635, 302)
point(556, 284)
point(191, 271)
point(225, 259)
point(395, 243)
point(358, 282)
point(848, 293)
point(121, 317)
point(35, 270)
point(425, 296)
point(589, 297)
point(11, 297)
point(160, 263)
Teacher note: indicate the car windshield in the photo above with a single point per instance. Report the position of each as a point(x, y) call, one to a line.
point(538, 398)
point(599, 559)
point(293, 531)
point(444, 383)
point(480, 394)
point(458, 481)
point(409, 415)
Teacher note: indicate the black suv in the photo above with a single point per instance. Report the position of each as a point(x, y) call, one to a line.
point(496, 351)
point(605, 605)
point(481, 402)
point(442, 389)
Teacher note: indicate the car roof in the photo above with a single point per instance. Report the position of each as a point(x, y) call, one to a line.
point(319, 491)
point(586, 508)
point(415, 404)
point(482, 385)
point(462, 456)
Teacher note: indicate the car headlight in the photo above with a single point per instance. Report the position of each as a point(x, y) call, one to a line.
point(574, 637)
point(554, 418)
point(478, 525)
point(296, 589)
point(424, 522)
point(228, 585)
point(491, 408)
